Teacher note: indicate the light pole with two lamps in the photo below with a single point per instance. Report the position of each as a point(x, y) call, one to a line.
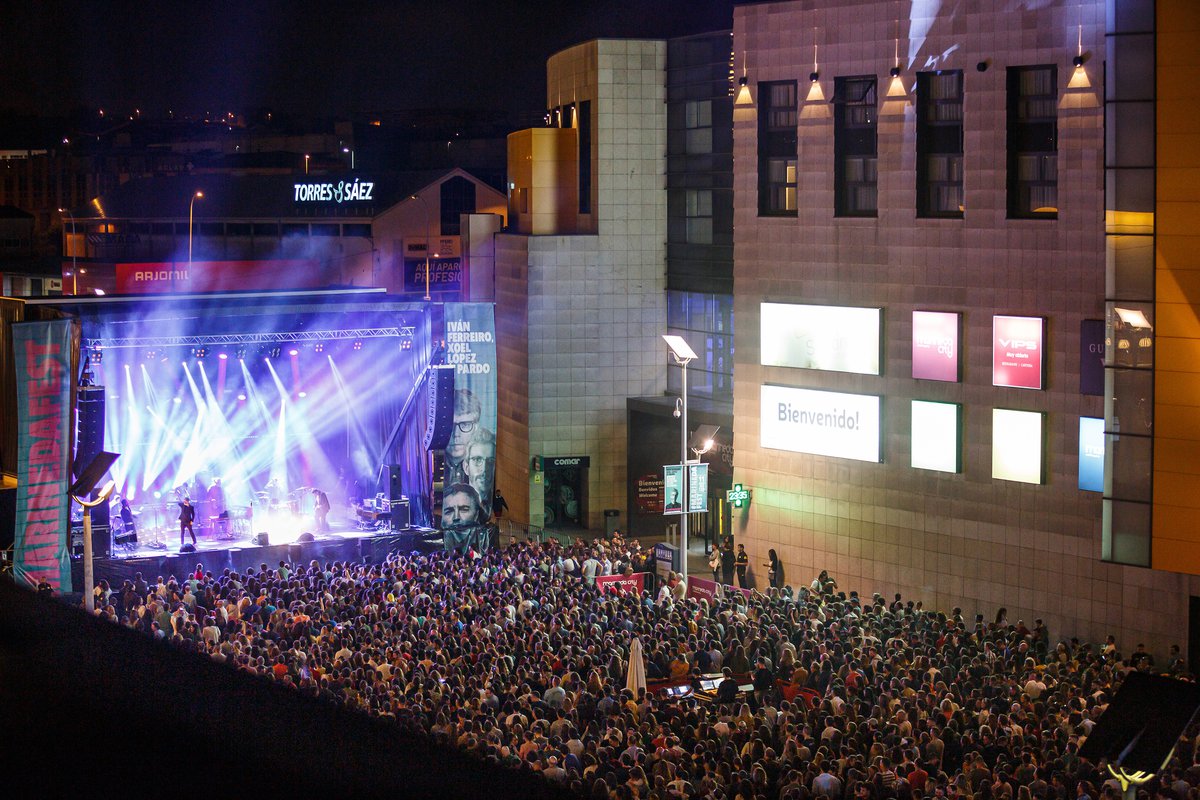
point(683, 354)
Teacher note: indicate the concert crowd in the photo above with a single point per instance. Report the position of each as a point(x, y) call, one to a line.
point(517, 657)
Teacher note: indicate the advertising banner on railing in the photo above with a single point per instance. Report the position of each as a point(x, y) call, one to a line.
point(470, 457)
point(43, 369)
point(619, 584)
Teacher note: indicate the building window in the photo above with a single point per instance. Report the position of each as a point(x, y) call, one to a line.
point(697, 119)
point(777, 149)
point(705, 321)
point(457, 197)
point(855, 127)
point(940, 144)
point(699, 216)
point(1033, 142)
point(584, 135)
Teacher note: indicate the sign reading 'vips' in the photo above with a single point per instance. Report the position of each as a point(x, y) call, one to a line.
point(834, 338)
point(821, 423)
point(1017, 352)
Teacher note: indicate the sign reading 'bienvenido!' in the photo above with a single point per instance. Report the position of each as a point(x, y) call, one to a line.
point(821, 423)
point(340, 192)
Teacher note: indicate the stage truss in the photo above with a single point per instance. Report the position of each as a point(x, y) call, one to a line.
point(233, 339)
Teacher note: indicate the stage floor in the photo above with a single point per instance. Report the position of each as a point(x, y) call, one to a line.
point(243, 553)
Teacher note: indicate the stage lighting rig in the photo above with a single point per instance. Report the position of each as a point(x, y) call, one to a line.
point(199, 352)
point(97, 354)
point(358, 344)
point(240, 354)
point(274, 351)
point(319, 347)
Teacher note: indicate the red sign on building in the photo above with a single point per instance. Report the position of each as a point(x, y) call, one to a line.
point(219, 276)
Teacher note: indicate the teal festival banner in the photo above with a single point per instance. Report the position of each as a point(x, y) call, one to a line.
point(43, 370)
point(470, 456)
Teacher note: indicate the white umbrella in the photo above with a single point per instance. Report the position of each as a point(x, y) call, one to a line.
point(636, 677)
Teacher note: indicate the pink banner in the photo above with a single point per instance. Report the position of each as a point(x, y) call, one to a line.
point(704, 589)
point(935, 345)
point(619, 584)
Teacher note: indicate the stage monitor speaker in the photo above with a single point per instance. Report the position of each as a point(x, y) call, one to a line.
point(400, 515)
point(306, 537)
point(439, 417)
point(101, 542)
point(261, 539)
point(188, 548)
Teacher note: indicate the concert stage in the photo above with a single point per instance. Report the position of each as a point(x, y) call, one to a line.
point(344, 544)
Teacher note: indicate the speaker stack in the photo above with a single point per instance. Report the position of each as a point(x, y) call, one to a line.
point(439, 418)
point(89, 442)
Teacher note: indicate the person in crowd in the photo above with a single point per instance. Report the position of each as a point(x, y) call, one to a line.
point(742, 563)
point(774, 570)
point(727, 561)
point(523, 664)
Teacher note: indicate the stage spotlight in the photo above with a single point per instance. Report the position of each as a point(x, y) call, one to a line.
point(240, 353)
point(151, 355)
point(293, 352)
point(222, 356)
point(274, 352)
point(97, 355)
point(319, 347)
point(302, 394)
point(241, 397)
point(199, 352)
point(358, 344)
point(177, 400)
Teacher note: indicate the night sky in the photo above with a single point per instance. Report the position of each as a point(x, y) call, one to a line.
point(324, 58)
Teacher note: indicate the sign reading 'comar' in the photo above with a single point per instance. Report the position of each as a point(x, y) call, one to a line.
point(340, 192)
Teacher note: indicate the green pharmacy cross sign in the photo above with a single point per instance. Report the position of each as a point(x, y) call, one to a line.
point(738, 496)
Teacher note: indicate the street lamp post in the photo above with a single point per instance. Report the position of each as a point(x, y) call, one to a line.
point(191, 213)
point(74, 254)
point(306, 158)
point(428, 243)
point(89, 597)
point(683, 355)
point(350, 150)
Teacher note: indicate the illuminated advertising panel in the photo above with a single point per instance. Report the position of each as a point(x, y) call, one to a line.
point(834, 338)
point(935, 346)
point(821, 423)
point(1091, 454)
point(935, 436)
point(1017, 352)
point(1017, 445)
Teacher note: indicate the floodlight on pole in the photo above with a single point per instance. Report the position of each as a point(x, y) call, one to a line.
point(89, 596)
point(682, 352)
point(428, 243)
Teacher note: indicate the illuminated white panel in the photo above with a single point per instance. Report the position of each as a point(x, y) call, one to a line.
point(822, 423)
point(935, 436)
point(1017, 445)
point(833, 338)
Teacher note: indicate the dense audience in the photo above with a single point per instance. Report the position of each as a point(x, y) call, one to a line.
point(517, 657)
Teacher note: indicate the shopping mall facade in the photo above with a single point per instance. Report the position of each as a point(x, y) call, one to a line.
point(940, 283)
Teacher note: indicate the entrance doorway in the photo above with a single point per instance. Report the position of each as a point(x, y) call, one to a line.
point(566, 492)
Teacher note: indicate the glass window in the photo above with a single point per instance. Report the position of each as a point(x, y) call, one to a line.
point(940, 144)
point(777, 149)
point(1033, 142)
point(698, 126)
point(855, 145)
point(699, 216)
point(266, 229)
point(705, 321)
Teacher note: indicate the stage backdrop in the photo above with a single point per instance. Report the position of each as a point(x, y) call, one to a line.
point(43, 366)
point(470, 457)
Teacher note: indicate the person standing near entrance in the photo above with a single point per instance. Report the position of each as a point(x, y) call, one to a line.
point(714, 563)
point(774, 570)
point(187, 515)
point(742, 562)
point(727, 560)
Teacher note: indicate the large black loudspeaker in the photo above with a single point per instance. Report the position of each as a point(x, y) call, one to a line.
point(439, 418)
point(89, 441)
point(393, 490)
point(400, 515)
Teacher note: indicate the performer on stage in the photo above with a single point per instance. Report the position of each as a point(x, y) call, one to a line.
point(216, 498)
point(321, 510)
point(127, 516)
point(187, 513)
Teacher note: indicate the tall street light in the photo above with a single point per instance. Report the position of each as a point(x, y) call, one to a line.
point(428, 243)
point(306, 158)
point(349, 150)
point(74, 253)
point(683, 355)
point(196, 195)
